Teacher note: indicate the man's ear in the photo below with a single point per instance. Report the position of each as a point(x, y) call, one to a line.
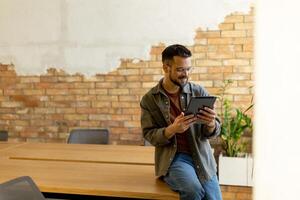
point(165, 68)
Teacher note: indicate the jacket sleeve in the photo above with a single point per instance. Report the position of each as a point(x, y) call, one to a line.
point(151, 131)
point(215, 133)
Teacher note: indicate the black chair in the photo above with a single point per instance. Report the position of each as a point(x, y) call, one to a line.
point(3, 135)
point(146, 143)
point(88, 136)
point(20, 188)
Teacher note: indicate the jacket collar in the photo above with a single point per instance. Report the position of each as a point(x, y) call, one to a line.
point(159, 88)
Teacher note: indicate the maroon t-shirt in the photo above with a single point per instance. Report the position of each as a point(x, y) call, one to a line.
point(175, 110)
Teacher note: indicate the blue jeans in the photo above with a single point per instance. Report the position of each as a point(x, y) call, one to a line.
point(181, 177)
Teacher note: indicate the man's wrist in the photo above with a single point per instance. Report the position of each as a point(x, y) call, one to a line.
point(211, 126)
point(169, 132)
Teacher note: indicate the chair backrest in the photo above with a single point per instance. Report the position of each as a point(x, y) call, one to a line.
point(146, 143)
point(88, 136)
point(3, 135)
point(20, 188)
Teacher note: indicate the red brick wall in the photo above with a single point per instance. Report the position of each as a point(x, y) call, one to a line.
point(236, 193)
point(46, 107)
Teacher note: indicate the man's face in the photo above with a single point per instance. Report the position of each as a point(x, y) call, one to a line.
point(179, 70)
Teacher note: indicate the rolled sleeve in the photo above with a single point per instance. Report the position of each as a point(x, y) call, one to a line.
point(216, 131)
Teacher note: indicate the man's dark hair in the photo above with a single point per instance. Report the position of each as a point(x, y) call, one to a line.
point(175, 50)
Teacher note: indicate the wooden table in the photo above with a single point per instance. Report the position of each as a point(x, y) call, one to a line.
point(100, 179)
point(9, 145)
point(100, 170)
point(119, 154)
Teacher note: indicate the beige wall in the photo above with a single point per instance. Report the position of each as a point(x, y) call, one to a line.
point(92, 36)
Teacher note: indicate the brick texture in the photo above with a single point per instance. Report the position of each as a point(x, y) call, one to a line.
point(45, 108)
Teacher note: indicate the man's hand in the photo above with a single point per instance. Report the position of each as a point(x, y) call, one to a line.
point(207, 116)
point(180, 124)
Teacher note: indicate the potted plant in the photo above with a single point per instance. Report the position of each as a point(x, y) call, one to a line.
point(235, 166)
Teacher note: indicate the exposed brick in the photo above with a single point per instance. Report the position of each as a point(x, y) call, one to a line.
point(121, 117)
point(236, 33)
point(237, 76)
point(98, 91)
point(84, 85)
point(101, 104)
point(86, 98)
point(129, 85)
point(133, 98)
point(79, 91)
point(123, 91)
point(200, 48)
point(209, 62)
point(239, 90)
point(149, 84)
point(234, 18)
point(99, 117)
point(107, 98)
point(81, 104)
point(34, 92)
point(132, 123)
point(65, 110)
point(220, 69)
point(70, 79)
point(215, 76)
point(152, 70)
point(30, 79)
point(220, 55)
point(121, 104)
point(57, 91)
point(243, 69)
point(11, 104)
point(243, 26)
point(114, 78)
point(207, 34)
point(149, 78)
point(44, 110)
point(201, 41)
point(247, 55)
point(236, 62)
point(76, 117)
point(248, 47)
point(248, 18)
point(89, 123)
point(129, 71)
point(220, 41)
point(130, 137)
point(106, 85)
point(226, 26)
point(157, 50)
point(50, 79)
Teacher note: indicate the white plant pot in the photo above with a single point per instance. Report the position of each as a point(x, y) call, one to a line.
point(235, 170)
point(250, 171)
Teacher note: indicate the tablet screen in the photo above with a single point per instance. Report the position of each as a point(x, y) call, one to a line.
point(198, 103)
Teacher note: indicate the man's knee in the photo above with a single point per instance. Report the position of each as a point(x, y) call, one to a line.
point(192, 190)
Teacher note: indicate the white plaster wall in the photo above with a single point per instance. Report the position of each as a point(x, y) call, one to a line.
point(277, 135)
point(90, 36)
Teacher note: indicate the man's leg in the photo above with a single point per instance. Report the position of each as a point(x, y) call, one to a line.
point(182, 177)
point(212, 189)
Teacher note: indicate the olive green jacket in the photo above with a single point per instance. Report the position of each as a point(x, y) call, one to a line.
point(155, 117)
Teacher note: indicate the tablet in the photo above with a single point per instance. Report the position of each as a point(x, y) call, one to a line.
point(198, 103)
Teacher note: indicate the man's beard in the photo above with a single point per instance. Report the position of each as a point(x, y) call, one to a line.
point(181, 85)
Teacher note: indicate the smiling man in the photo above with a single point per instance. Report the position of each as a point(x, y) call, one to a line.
point(183, 156)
